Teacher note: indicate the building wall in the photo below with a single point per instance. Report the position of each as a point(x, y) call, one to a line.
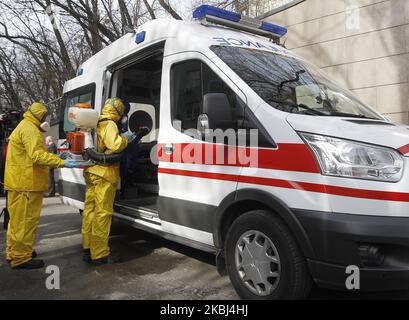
point(364, 44)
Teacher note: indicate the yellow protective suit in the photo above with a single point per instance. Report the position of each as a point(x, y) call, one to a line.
point(101, 183)
point(26, 178)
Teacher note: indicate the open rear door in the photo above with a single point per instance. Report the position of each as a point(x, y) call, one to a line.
point(71, 184)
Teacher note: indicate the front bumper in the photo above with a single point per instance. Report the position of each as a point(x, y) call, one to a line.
point(338, 239)
point(371, 279)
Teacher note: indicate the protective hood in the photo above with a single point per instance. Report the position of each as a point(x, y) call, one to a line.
point(38, 111)
point(113, 110)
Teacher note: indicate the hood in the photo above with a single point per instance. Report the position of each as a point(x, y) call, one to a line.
point(38, 111)
point(375, 132)
point(113, 110)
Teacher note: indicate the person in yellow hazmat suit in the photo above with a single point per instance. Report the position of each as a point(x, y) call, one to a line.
point(101, 184)
point(26, 179)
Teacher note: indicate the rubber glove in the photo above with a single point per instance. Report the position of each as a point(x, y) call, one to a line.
point(131, 136)
point(70, 164)
point(64, 155)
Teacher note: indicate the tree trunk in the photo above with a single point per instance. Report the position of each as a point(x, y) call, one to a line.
point(150, 10)
point(63, 49)
point(125, 16)
point(93, 18)
point(7, 81)
point(169, 9)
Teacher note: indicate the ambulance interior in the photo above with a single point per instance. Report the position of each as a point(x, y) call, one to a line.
point(140, 85)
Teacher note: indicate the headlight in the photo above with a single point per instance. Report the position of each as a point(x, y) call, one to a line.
point(344, 158)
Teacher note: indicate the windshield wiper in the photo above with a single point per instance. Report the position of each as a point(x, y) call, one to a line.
point(296, 106)
point(318, 112)
point(351, 115)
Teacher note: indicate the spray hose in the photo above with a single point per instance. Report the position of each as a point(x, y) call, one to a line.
point(91, 154)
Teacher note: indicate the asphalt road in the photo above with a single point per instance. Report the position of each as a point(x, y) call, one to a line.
point(151, 267)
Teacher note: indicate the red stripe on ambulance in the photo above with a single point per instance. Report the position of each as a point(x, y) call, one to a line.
point(296, 185)
point(287, 157)
point(404, 150)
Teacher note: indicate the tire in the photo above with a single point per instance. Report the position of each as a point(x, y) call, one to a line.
point(80, 212)
point(267, 237)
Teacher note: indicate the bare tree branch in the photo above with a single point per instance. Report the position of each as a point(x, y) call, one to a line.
point(169, 9)
point(150, 10)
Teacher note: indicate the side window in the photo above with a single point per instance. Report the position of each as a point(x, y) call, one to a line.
point(197, 90)
point(82, 95)
point(186, 94)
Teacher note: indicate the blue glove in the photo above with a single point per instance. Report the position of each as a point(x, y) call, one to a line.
point(70, 164)
point(64, 155)
point(131, 136)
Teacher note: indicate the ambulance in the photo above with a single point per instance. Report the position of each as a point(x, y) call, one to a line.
point(253, 154)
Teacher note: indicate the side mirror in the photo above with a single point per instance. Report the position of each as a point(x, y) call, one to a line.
point(203, 124)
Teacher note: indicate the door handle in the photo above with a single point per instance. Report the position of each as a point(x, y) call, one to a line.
point(168, 149)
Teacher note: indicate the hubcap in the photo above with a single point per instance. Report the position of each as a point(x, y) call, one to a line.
point(258, 263)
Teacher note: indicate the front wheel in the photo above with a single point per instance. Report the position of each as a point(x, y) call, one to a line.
point(263, 259)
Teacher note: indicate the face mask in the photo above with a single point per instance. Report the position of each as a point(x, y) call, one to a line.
point(123, 124)
point(124, 121)
point(45, 124)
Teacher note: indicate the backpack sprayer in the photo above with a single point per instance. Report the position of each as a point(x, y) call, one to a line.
point(80, 142)
point(85, 119)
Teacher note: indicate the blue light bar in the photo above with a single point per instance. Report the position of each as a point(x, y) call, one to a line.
point(278, 30)
point(206, 13)
point(202, 11)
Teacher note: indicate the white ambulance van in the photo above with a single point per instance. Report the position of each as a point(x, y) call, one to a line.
point(324, 190)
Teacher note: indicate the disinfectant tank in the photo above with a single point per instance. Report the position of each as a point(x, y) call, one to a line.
point(83, 116)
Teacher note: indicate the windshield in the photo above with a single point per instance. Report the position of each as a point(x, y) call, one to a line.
point(292, 85)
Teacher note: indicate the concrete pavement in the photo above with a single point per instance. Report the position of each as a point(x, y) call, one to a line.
point(152, 268)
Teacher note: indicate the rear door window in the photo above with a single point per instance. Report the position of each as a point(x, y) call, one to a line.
point(82, 95)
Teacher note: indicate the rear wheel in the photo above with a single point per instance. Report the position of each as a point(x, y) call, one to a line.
point(263, 259)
